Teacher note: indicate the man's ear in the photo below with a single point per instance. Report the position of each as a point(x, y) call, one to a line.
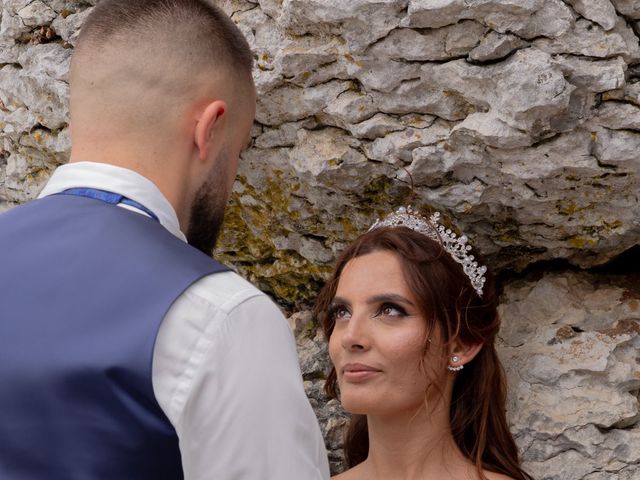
point(462, 353)
point(210, 129)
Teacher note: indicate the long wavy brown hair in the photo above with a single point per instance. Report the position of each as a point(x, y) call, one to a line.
point(446, 301)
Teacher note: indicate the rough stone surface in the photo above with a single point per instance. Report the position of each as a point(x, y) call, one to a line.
point(569, 345)
point(445, 43)
point(628, 8)
point(601, 12)
point(589, 40)
point(495, 46)
point(518, 119)
point(525, 18)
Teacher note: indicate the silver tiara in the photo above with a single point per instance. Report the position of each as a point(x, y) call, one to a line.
point(455, 246)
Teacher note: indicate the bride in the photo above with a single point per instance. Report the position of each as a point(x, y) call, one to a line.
point(411, 321)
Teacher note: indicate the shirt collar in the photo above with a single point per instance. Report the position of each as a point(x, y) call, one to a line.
point(118, 180)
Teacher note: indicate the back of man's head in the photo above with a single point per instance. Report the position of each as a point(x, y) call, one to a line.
point(197, 26)
point(139, 63)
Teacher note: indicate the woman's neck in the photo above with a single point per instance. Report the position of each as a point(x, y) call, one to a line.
point(414, 446)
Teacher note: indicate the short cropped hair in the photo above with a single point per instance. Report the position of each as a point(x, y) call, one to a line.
point(207, 28)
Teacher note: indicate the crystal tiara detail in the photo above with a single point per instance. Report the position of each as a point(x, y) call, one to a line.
point(455, 246)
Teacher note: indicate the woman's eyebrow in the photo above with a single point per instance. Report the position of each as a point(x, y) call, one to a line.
point(340, 301)
point(389, 297)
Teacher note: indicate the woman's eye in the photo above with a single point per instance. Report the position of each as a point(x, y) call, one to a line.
point(340, 313)
point(392, 311)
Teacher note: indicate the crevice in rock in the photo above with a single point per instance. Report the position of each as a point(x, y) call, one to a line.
point(15, 65)
point(542, 141)
point(476, 179)
point(633, 72)
point(628, 262)
point(495, 61)
point(241, 10)
point(41, 127)
point(601, 164)
point(316, 68)
point(623, 271)
point(616, 100)
point(586, 57)
point(628, 20)
point(403, 12)
point(525, 39)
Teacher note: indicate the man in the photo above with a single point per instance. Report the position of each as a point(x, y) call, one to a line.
point(126, 353)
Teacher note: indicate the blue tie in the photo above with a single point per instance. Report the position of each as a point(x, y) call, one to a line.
point(108, 197)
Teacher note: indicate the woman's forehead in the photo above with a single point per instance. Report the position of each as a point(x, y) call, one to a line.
point(373, 273)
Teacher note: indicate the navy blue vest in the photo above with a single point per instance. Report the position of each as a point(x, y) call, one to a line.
point(84, 287)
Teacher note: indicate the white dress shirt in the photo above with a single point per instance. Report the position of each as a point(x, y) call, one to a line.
point(225, 369)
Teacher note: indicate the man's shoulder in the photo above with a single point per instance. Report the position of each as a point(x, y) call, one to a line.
point(224, 290)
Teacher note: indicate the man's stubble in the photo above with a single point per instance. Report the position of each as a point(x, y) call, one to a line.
point(207, 211)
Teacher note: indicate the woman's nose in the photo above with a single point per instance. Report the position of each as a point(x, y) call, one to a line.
point(356, 335)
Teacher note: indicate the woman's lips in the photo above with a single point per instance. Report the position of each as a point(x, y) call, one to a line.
point(357, 372)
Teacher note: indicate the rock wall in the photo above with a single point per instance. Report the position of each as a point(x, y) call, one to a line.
point(570, 346)
point(520, 120)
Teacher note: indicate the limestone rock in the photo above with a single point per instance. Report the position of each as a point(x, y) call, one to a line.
point(628, 8)
point(56, 145)
point(398, 145)
point(44, 98)
point(630, 93)
point(600, 11)
point(595, 76)
point(534, 89)
point(300, 323)
point(315, 365)
point(525, 18)
point(573, 390)
point(291, 103)
point(64, 7)
point(68, 27)
point(263, 35)
point(232, 7)
point(618, 149)
point(424, 96)
point(48, 60)
point(489, 130)
point(592, 41)
point(377, 126)
point(271, 7)
point(385, 75)
point(351, 107)
point(14, 6)
point(495, 46)
point(296, 59)
point(507, 186)
point(619, 116)
point(431, 45)
point(284, 135)
point(314, 360)
point(11, 26)
point(322, 152)
point(25, 174)
point(360, 22)
point(530, 92)
point(36, 13)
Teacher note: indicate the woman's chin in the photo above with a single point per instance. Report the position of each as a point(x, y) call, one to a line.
point(355, 404)
point(361, 403)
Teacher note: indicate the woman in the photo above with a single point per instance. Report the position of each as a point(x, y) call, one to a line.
point(411, 321)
